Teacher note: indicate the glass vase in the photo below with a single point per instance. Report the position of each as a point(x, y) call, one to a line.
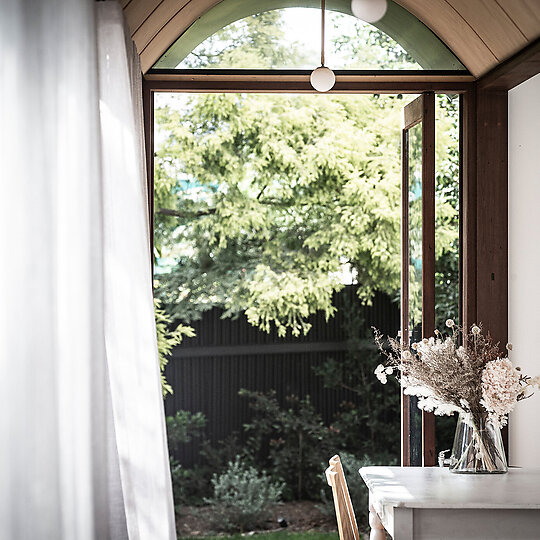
point(478, 447)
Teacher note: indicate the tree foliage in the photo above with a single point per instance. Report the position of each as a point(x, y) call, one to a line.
point(258, 41)
point(267, 204)
point(167, 339)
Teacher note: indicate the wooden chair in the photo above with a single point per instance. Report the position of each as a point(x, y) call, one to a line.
point(348, 530)
point(346, 520)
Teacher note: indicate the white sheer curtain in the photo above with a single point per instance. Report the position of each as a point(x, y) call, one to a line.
point(82, 440)
point(130, 336)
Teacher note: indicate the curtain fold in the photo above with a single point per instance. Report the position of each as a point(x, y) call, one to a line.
point(82, 438)
point(130, 336)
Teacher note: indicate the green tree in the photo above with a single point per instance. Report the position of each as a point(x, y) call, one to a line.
point(264, 202)
point(167, 338)
point(368, 48)
point(258, 41)
point(276, 195)
point(447, 206)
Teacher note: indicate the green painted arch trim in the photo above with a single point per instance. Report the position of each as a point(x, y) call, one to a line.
point(418, 40)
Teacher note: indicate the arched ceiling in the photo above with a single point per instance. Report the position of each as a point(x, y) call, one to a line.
point(481, 33)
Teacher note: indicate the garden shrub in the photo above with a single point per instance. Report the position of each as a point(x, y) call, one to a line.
point(216, 457)
point(183, 427)
point(189, 485)
point(369, 423)
point(243, 497)
point(195, 484)
point(289, 442)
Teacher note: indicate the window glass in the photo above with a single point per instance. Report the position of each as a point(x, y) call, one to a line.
point(290, 39)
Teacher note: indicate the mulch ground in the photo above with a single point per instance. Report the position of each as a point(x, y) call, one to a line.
point(300, 516)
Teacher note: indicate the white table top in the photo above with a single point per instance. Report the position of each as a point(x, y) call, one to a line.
point(437, 487)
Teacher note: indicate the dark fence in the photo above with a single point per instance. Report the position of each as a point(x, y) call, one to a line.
point(207, 371)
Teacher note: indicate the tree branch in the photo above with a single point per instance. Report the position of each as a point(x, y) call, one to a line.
point(178, 213)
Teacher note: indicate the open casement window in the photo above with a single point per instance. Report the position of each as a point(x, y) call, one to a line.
point(418, 262)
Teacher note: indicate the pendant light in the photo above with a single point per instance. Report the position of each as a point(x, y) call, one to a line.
point(322, 78)
point(370, 11)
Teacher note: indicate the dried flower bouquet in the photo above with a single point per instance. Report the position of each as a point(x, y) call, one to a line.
point(469, 378)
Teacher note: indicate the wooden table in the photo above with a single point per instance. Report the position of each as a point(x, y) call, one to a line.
point(432, 503)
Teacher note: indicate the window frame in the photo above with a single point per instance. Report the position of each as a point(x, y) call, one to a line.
point(483, 149)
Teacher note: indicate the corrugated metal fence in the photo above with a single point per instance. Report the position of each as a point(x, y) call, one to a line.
point(207, 371)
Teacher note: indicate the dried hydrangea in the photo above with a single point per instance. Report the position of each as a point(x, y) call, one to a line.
point(500, 388)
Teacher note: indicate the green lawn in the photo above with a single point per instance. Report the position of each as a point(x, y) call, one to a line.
point(277, 535)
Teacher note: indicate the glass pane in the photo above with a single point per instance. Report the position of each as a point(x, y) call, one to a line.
point(415, 233)
point(415, 275)
point(280, 34)
point(447, 286)
point(290, 39)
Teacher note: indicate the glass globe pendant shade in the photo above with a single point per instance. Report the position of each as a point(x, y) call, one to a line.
point(370, 11)
point(322, 79)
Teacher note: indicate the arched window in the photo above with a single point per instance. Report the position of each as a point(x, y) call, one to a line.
point(285, 34)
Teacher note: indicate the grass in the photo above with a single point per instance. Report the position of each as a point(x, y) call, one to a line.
point(276, 535)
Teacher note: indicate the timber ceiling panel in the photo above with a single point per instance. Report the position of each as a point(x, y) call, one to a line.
point(137, 13)
point(492, 25)
point(481, 33)
point(525, 14)
point(453, 29)
point(158, 20)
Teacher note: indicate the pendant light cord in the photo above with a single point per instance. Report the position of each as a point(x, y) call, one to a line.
point(322, 31)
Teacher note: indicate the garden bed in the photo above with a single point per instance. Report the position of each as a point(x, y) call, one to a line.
point(300, 516)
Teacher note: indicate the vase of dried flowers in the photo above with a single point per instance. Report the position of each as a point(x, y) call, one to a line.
point(461, 372)
point(478, 446)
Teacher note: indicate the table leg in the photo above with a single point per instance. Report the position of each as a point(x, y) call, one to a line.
point(377, 528)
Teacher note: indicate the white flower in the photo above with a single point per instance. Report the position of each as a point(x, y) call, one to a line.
point(406, 355)
point(500, 387)
point(475, 330)
point(413, 388)
point(380, 373)
point(450, 323)
point(427, 401)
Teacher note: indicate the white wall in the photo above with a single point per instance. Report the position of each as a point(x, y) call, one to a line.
point(524, 262)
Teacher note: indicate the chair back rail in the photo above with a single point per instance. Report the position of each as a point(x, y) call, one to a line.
point(346, 519)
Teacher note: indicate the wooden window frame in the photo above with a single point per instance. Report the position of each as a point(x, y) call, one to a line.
point(420, 111)
point(483, 161)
